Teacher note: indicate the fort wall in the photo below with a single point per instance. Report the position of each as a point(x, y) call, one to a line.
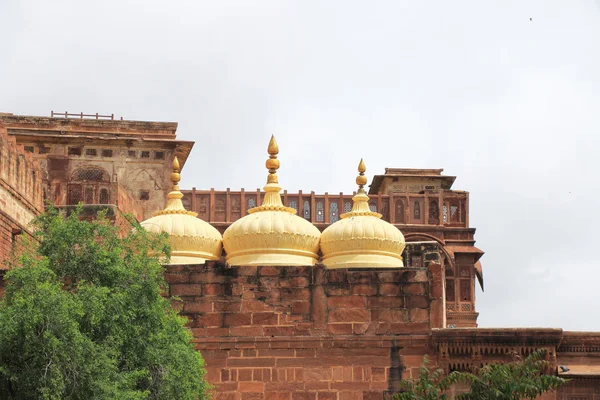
point(308, 332)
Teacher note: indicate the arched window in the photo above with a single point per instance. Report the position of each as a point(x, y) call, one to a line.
point(373, 206)
point(320, 213)
point(417, 210)
point(399, 211)
point(294, 205)
point(333, 213)
point(347, 207)
point(251, 203)
point(306, 209)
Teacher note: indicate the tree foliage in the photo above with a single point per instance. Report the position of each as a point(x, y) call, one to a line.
point(83, 318)
point(520, 379)
point(429, 385)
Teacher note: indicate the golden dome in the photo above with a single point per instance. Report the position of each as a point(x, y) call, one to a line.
point(361, 239)
point(271, 234)
point(193, 241)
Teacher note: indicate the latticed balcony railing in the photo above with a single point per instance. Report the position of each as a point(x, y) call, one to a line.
point(447, 208)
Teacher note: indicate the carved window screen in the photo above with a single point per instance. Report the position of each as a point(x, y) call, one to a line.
point(91, 174)
point(89, 195)
point(417, 210)
point(347, 207)
point(220, 209)
point(373, 206)
point(75, 195)
point(320, 212)
point(306, 209)
point(454, 214)
point(103, 196)
point(385, 209)
point(434, 212)
point(399, 211)
point(294, 205)
point(450, 291)
point(235, 208)
point(333, 213)
point(465, 290)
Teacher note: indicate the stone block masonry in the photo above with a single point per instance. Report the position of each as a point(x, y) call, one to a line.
point(307, 332)
point(20, 197)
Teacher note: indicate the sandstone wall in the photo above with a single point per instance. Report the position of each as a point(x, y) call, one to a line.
point(308, 333)
point(20, 194)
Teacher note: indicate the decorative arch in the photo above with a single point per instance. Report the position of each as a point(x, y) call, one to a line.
point(414, 237)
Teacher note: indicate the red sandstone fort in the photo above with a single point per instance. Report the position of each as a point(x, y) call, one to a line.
point(322, 314)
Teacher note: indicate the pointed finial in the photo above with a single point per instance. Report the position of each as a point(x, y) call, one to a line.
point(273, 148)
point(361, 167)
point(272, 163)
point(360, 200)
point(175, 176)
point(174, 204)
point(361, 179)
point(272, 200)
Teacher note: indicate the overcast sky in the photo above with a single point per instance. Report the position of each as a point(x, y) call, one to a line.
point(503, 94)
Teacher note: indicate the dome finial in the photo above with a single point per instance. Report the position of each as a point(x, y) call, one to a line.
point(193, 241)
point(360, 204)
point(273, 162)
point(361, 179)
point(175, 176)
point(271, 234)
point(361, 239)
point(272, 200)
point(174, 204)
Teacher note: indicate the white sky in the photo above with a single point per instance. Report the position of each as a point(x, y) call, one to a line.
point(507, 104)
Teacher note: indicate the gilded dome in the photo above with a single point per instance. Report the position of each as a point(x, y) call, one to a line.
point(193, 241)
point(361, 239)
point(271, 234)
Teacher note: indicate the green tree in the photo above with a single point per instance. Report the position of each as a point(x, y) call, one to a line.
point(429, 385)
point(520, 379)
point(83, 318)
